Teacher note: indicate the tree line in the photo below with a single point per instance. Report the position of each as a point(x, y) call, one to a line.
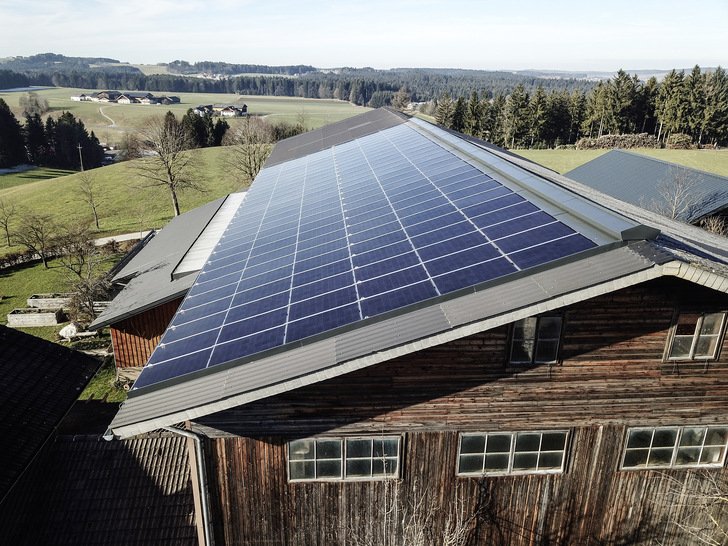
point(682, 110)
point(62, 143)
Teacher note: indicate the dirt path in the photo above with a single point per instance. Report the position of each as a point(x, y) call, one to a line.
point(113, 123)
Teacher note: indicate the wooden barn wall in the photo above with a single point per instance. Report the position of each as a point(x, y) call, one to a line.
point(612, 377)
point(135, 338)
point(591, 503)
point(612, 373)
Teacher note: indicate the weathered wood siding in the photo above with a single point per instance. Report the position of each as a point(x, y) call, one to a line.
point(135, 338)
point(592, 503)
point(612, 376)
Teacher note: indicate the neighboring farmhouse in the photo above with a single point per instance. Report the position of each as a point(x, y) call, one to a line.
point(228, 110)
point(400, 324)
point(126, 97)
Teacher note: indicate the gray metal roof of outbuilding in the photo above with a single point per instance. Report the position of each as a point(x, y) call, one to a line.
point(149, 274)
point(642, 181)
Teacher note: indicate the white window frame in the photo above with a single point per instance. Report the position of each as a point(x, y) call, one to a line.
point(344, 447)
point(510, 471)
point(676, 448)
point(537, 338)
point(696, 337)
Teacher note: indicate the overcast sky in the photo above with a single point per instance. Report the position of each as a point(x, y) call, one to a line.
point(505, 34)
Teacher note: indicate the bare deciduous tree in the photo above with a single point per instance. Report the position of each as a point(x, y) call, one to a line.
point(37, 233)
point(169, 164)
point(251, 143)
point(87, 189)
point(8, 211)
point(680, 197)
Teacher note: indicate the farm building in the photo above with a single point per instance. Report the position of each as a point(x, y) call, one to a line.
point(689, 195)
point(403, 331)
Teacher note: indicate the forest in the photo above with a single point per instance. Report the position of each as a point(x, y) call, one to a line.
point(681, 111)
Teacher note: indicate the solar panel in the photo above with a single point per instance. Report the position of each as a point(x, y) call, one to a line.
point(329, 239)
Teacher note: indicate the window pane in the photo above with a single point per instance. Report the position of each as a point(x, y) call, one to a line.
point(528, 442)
point(302, 470)
point(716, 436)
point(681, 347)
point(692, 436)
point(499, 443)
point(553, 441)
point(525, 461)
point(686, 324)
point(525, 328)
point(660, 457)
point(706, 346)
point(664, 437)
point(687, 456)
point(384, 467)
point(358, 468)
point(300, 450)
point(550, 461)
point(711, 324)
point(549, 328)
point(472, 444)
point(522, 351)
point(635, 457)
point(546, 351)
point(328, 449)
point(358, 448)
point(712, 455)
point(470, 464)
point(391, 447)
point(328, 468)
point(639, 438)
point(496, 463)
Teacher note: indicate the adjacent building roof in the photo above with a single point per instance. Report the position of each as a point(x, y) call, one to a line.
point(162, 270)
point(653, 184)
point(84, 490)
point(385, 235)
point(41, 381)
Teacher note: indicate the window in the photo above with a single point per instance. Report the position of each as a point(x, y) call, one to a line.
point(674, 447)
point(500, 453)
point(536, 340)
point(343, 458)
point(696, 336)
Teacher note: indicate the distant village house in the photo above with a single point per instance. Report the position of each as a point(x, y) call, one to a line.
point(135, 97)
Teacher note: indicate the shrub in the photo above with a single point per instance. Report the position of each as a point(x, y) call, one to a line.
point(679, 141)
point(624, 142)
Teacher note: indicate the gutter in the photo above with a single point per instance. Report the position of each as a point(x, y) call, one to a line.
point(202, 478)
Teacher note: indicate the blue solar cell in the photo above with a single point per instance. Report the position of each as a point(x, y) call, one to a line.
point(443, 233)
point(381, 253)
point(378, 242)
point(462, 258)
point(321, 260)
point(239, 348)
point(322, 272)
point(511, 227)
point(532, 237)
point(323, 302)
point(181, 365)
point(474, 274)
point(258, 282)
point(331, 246)
point(492, 204)
point(316, 239)
point(238, 329)
point(553, 250)
point(386, 265)
point(212, 311)
point(398, 298)
point(392, 281)
point(424, 221)
point(503, 214)
point(242, 308)
point(306, 291)
point(450, 246)
point(376, 230)
point(322, 322)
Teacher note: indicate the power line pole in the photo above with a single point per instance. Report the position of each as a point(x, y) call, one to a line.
point(80, 156)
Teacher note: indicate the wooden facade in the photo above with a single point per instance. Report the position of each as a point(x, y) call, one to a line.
point(135, 338)
point(611, 375)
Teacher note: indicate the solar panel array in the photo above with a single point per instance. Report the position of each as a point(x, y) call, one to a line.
point(366, 227)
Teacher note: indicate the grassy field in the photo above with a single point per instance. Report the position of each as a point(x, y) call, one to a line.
point(98, 117)
point(562, 161)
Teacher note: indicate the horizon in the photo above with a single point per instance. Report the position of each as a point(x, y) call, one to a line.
point(567, 36)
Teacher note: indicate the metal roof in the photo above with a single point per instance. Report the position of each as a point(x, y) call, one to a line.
point(613, 263)
point(149, 275)
point(648, 182)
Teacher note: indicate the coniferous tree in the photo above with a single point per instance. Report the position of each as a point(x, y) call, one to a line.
point(496, 122)
point(671, 104)
point(696, 97)
point(517, 117)
point(715, 121)
point(35, 139)
point(459, 114)
point(474, 116)
point(444, 110)
point(577, 114)
point(12, 150)
point(537, 116)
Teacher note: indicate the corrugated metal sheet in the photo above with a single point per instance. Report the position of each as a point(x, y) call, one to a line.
point(638, 179)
